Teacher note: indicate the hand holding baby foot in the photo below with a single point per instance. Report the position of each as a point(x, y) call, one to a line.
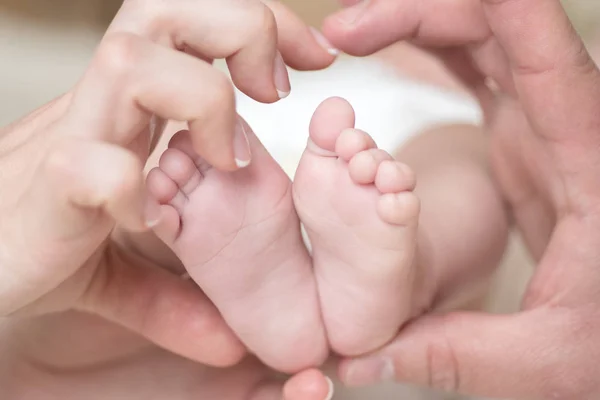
point(73, 170)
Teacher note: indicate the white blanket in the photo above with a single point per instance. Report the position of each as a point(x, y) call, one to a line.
point(388, 107)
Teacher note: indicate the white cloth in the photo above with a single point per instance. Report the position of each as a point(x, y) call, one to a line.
point(391, 109)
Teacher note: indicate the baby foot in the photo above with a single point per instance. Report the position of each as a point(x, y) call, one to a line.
point(360, 214)
point(239, 238)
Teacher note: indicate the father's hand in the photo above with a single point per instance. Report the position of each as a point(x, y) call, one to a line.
point(540, 91)
point(71, 171)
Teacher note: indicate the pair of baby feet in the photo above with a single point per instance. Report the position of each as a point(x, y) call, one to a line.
point(238, 235)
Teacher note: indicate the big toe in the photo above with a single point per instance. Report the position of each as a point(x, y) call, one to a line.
point(333, 116)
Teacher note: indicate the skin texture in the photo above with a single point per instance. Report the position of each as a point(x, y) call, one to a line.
point(541, 115)
point(101, 132)
point(542, 163)
point(103, 360)
point(75, 166)
point(108, 290)
point(239, 238)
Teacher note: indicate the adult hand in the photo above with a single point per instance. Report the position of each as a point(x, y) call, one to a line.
point(72, 171)
point(71, 355)
point(542, 114)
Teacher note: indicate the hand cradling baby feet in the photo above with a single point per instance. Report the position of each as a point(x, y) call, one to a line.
point(238, 235)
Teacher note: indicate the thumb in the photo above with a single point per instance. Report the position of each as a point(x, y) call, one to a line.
point(160, 306)
point(514, 356)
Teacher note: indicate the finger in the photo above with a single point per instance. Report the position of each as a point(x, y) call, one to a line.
point(551, 67)
point(521, 28)
point(308, 385)
point(369, 26)
point(76, 194)
point(131, 79)
point(266, 391)
point(302, 47)
point(171, 312)
point(520, 356)
point(243, 32)
point(90, 177)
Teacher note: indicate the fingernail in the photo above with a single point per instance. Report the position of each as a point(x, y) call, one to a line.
point(241, 145)
point(152, 213)
point(281, 77)
point(369, 371)
point(352, 15)
point(324, 43)
point(331, 389)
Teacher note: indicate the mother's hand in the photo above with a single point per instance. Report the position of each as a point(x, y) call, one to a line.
point(540, 92)
point(72, 170)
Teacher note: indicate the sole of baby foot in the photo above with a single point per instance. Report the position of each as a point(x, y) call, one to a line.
point(359, 210)
point(238, 235)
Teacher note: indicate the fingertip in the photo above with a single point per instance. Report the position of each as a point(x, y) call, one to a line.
point(324, 42)
point(309, 385)
point(300, 45)
point(213, 140)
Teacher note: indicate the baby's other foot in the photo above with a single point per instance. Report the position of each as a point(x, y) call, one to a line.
point(360, 214)
point(239, 238)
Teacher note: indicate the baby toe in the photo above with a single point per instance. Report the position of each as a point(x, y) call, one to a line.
point(181, 169)
point(330, 118)
point(182, 141)
point(398, 208)
point(364, 165)
point(394, 177)
point(352, 141)
point(161, 186)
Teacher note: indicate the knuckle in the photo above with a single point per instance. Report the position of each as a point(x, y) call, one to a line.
point(215, 98)
point(119, 53)
point(60, 160)
point(224, 93)
point(443, 372)
point(263, 22)
point(269, 23)
point(129, 180)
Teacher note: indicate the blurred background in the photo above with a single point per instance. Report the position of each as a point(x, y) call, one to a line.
point(46, 45)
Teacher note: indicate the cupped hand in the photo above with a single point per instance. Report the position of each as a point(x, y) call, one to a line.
point(73, 355)
point(72, 170)
point(540, 92)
